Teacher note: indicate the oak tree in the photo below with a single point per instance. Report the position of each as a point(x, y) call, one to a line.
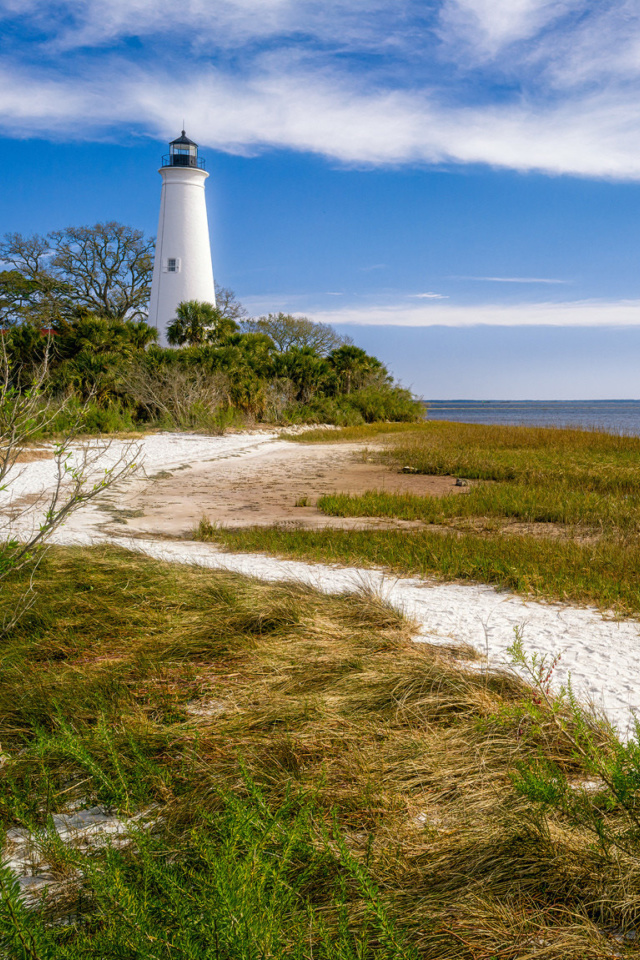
point(288, 331)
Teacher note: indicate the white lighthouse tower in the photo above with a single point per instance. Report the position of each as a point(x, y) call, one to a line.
point(182, 267)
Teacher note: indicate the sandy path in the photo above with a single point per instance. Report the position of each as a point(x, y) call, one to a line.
point(601, 656)
point(275, 483)
point(248, 479)
point(227, 477)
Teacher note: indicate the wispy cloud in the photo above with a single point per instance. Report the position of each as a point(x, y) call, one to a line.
point(429, 296)
point(256, 74)
point(490, 25)
point(512, 279)
point(80, 24)
point(577, 313)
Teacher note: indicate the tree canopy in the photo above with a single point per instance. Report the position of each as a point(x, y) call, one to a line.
point(105, 269)
point(288, 331)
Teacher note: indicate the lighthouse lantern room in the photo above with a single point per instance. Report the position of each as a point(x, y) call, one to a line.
point(182, 267)
point(183, 153)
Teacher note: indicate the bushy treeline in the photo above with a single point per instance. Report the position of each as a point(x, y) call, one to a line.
point(76, 299)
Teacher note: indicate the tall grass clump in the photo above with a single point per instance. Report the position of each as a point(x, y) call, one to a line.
point(294, 778)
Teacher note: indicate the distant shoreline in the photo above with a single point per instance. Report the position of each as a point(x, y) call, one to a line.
point(516, 402)
point(615, 416)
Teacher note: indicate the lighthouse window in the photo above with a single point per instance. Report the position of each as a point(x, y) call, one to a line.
point(172, 265)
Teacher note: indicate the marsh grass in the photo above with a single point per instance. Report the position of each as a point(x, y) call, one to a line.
point(603, 574)
point(590, 460)
point(551, 513)
point(575, 478)
point(363, 431)
point(318, 785)
point(591, 511)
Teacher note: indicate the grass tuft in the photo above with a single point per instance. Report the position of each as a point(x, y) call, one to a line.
point(315, 784)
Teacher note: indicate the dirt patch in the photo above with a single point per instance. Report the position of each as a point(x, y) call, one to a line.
point(272, 484)
point(35, 453)
point(543, 530)
point(264, 488)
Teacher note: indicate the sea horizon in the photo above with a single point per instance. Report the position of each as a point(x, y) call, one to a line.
point(613, 416)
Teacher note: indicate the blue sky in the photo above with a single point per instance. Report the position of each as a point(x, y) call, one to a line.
point(454, 183)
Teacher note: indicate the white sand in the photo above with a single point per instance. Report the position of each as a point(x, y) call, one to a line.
point(159, 451)
point(85, 829)
point(602, 656)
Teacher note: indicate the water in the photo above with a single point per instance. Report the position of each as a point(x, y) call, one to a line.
point(615, 416)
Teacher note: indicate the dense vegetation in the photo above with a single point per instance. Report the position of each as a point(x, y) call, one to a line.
point(553, 513)
point(293, 778)
point(79, 296)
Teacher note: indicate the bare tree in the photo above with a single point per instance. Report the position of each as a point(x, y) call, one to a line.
point(228, 304)
point(184, 397)
point(105, 268)
point(27, 255)
point(288, 331)
point(29, 291)
point(80, 473)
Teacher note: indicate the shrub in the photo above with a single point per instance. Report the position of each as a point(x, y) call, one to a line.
point(126, 380)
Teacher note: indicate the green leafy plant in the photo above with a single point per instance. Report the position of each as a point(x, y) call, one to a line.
point(606, 798)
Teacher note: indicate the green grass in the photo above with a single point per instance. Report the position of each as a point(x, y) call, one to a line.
point(586, 484)
point(315, 784)
point(509, 501)
point(534, 475)
point(586, 460)
point(592, 459)
point(353, 433)
point(602, 574)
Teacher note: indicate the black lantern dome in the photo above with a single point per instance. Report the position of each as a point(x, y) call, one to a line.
point(183, 153)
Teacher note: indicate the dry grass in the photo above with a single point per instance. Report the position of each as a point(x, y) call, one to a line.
point(31, 454)
point(134, 683)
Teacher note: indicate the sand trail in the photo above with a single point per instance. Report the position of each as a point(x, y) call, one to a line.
point(276, 482)
point(257, 478)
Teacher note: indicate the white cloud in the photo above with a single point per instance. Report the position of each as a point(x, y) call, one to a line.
point(89, 23)
point(602, 48)
point(325, 114)
point(428, 296)
point(570, 71)
point(513, 279)
point(489, 25)
point(578, 313)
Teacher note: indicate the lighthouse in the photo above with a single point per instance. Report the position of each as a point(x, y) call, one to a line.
point(182, 266)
